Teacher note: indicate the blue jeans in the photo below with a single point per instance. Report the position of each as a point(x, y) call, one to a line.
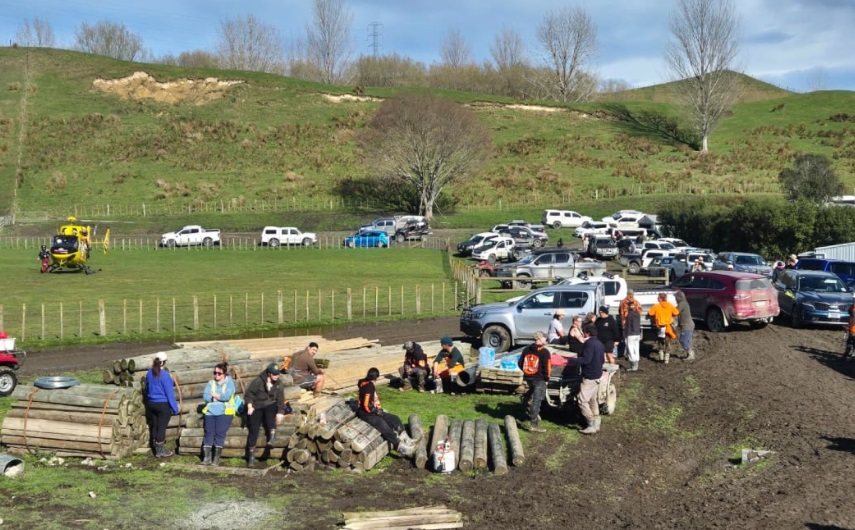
point(216, 428)
point(686, 339)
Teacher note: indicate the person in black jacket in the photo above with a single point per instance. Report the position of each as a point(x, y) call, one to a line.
point(591, 362)
point(632, 335)
point(390, 426)
point(536, 365)
point(414, 367)
point(265, 404)
point(607, 332)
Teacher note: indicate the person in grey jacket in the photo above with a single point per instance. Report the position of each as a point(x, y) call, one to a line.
point(686, 324)
point(632, 335)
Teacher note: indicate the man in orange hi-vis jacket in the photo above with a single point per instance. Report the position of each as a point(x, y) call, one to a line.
point(663, 314)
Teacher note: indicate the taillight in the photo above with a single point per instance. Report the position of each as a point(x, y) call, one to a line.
point(741, 295)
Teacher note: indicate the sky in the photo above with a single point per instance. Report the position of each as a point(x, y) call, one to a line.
point(799, 45)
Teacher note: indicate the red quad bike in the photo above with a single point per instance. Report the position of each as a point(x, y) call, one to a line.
point(10, 360)
point(45, 264)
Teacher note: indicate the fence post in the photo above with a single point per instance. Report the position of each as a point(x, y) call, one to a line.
point(1, 317)
point(102, 318)
point(280, 309)
point(402, 298)
point(157, 314)
point(320, 308)
point(141, 316)
point(173, 316)
point(262, 308)
point(125, 316)
point(231, 310)
point(215, 311)
point(376, 301)
point(349, 304)
point(390, 300)
point(23, 322)
point(43, 321)
point(80, 319)
point(245, 308)
point(418, 299)
point(332, 304)
point(295, 306)
point(61, 322)
point(307, 304)
point(195, 312)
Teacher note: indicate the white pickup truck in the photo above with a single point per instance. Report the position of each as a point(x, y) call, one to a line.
point(497, 248)
point(274, 236)
point(190, 235)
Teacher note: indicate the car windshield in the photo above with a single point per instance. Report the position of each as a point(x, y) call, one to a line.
point(821, 285)
point(488, 244)
point(749, 260)
point(526, 260)
point(667, 246)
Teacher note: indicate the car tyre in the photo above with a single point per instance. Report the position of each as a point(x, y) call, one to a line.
point(400, 238)
point(496, 337)
point(351, 243)
point(170, 243)
point(524, 284)
point(307, 242)
point(208, 242)
point(484, 273)
point(8, 381)
point(796, 319)
point(633, 267)
point(491, 259)
point(556, 225)
point(273, 243)
point(715, 320)
point(537, 243)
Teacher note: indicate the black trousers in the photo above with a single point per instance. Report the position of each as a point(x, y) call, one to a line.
point(259, 416)
point(158, 415)
point(387, 424)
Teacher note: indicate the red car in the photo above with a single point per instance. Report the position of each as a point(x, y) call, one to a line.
point(721, 298)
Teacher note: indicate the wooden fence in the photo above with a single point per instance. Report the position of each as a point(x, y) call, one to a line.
point(224, 312)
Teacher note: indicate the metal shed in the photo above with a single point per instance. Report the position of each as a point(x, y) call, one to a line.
point(843, 251)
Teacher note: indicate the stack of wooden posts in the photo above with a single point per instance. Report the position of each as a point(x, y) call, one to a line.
point(433, 517)
point(477, 443)
point(84, 420)
point(498, 380)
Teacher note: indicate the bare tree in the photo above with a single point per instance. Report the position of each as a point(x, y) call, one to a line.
point(37, 33)
point(454, 50)
point(111, 39)
point(328, 40)
point(700, 57)
point(428, 142)
point(509, 58)
point(250, 44)
point(568, 40)
point(817, 79)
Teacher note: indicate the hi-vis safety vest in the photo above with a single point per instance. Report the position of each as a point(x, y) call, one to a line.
point(531, 364)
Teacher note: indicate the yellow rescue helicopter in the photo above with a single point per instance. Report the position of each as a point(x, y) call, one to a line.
point(71, 246)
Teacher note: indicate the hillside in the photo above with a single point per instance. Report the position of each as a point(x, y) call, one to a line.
point(249, 141)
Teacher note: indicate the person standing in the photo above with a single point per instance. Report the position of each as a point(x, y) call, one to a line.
point(218, 415)
point(305, 372)
point(625, 304)
point(632, 335)
point(556, 334)
point(536, 365)
point(265, 405)
point(447, 364)
point(389, 425)
point(663, 313)
point(687, 325)
point(160, 403)
point(591, 362)
point(607, 332)
point(415, 366)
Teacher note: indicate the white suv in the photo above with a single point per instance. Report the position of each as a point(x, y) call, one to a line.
point(563, 219)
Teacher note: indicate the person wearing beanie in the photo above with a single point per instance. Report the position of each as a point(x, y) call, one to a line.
point(447, 364)
point(414, 367)
point(265, 405)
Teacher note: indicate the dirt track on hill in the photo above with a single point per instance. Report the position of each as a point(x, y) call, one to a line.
point(664, 463)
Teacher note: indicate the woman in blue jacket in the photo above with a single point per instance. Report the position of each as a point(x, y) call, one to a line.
point(219, 413)
point(160, 403)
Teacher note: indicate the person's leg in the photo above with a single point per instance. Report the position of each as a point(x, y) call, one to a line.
point(221, 428)
point(538, 393)
point(210, 425)
point(385, 430)
point(254, 425)
point(587, 390)
point(633, 347)
point(269, 420)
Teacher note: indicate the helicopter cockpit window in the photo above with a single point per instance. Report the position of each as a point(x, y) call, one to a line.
point(64, 244)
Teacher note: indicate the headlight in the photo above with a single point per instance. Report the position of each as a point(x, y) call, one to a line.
point(808, 305)
point(478, 314)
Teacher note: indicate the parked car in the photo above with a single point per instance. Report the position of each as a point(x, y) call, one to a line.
point(191, 235)
point(845, 270)
point(549, 263)
point(722, 298)
point(464, 248)
point(495, 249)
point(367, 238)
point(813, 297)
point(675, 266)
point(521, 222)
point(742, 262)
point(637, 263)
point(274, 236)
point(524, 236)
point(406, 224)
point(589, 228)
point(624, 219)
point(602, 247)
point(503, 324)
point(563, 218)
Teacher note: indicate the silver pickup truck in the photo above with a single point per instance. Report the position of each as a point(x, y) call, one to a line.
point(551, 264)
point(503, 324)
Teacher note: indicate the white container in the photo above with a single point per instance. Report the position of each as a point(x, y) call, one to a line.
point(443, 458)
point(7, 344)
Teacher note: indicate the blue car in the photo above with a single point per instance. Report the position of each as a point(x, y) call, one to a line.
point(813, 297)
point(367, 238)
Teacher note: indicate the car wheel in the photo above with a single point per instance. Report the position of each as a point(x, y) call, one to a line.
point(762, 323)
point(611, 400)
point(381, 244)
point(8, 381)
point(484, 273)
point(524, 284)
point(170, 243)
point(496, 337)
point(307, 242)
point(351, 243)
point(556, 225)
point(273, 243)
point(796, 320)
point(400, 238)
point(537, 243)
point(207, 242)
point(715, 320)
point(634, 267)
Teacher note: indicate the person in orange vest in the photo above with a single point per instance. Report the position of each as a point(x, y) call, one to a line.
point(663, 314)
point(536, 365)
point(447, 364)
point(850, 339)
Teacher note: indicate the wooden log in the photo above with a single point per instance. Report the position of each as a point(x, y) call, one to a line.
point(417, 433)
point(440, 432)
point(301, 456)
point(131, 364)
point(467, 446)
point(51, 443)
point(108, 378)
point(116, 366)
point(357, 434)
point(374, 453)
point(514, 442)
point(93, 418)
point(454, 433)
point(346, 456)
point(55, 396)
point(212, 353)
point(497, 450)
point(480, 460)
point(425, 517)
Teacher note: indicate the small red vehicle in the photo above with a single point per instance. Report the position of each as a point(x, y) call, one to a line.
point(10, 360)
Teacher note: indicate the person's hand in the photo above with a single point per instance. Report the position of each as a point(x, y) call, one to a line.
point(250, 409)
point(279, 418)
point(215, 396)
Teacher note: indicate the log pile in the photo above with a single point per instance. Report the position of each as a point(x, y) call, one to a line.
point(84, 420)
point(477, 443)
point(435, 517)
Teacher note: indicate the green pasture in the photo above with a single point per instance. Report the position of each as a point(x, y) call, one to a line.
point(148, 293)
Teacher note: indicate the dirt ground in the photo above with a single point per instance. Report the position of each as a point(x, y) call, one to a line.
point(667, 463)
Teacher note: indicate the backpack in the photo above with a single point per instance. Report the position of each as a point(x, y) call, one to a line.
point(531, 364)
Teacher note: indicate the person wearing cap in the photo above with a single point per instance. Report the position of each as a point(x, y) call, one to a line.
point(663, 313)
point(591, 363)
point(414, 367)
point(536, 365)
point(160, 404)
point(556, 334)
point(447, 364)
point(217, 416)
point(792, 259)
point(305, 372)
point(265, 405)
point(607, 331)
point(388, 425)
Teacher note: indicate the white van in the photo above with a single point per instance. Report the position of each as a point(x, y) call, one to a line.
point(563, 219)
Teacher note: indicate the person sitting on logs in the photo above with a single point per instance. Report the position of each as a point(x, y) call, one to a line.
point(389, 425)
point(414, 367)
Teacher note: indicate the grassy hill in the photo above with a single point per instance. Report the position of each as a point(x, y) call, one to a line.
point(273, 144)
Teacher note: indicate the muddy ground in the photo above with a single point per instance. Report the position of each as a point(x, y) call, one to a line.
point(666, 463)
